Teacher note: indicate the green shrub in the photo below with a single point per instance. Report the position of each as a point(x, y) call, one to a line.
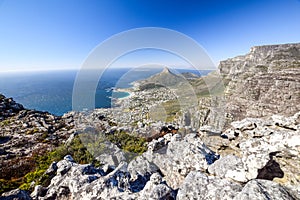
point(5, 122)
point(41, 163)
point(128, 142)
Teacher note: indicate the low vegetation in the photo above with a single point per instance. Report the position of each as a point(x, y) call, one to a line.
point(33, 171)
point(148, 86)
point(128, 142)
point(35, 166)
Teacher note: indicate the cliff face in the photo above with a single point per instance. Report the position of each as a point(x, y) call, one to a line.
point(263, 82)
point(268, 58)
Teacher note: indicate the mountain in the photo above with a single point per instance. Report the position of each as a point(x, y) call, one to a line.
point(263, 82)
point(189, 75)
point(165, 78)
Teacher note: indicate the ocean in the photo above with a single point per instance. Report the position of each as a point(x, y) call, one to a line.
point(51, 91)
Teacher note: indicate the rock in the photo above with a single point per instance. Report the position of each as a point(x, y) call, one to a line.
point(26, 134)
point(200, 186)
point(263, 189)
point(155, 189)
point(71, 181)
point(63, 166)
point(69, 158)
point(286, 122)
point(52, 169)
point(245, 124)
point(229, 167)
point(111, 155)
point(178, 158)
point(263, 82)
point(39, 191)
point(8, 107)
point(16, 194)
point(141, 169)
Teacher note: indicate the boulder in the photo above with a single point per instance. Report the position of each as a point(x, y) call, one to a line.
point(178, 158)
point(16, 194)
point(197, 185)
point(156, 189)
point(229, 167)
point(264, 190)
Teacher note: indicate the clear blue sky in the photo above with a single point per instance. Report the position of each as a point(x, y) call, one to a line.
point(42, 34)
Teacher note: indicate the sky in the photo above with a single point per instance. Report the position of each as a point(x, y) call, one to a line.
point(60, 34)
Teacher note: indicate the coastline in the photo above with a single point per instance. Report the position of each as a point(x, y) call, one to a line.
point(127, 90)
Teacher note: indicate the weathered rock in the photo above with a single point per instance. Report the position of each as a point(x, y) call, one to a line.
point(26, 134)
point(179, 158)
point(229, 167)
point(200, 186)
point(155, 189)
point(262, 82)
point(140, 169)
point(16, 194)
point(270, 150)
point(39, 191)
point(112, 155)
point(263, 189)
point(8, 107)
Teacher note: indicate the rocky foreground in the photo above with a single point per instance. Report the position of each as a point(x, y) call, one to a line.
point(263, 163)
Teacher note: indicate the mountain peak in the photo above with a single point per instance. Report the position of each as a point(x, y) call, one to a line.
point(166, 70)
point(164, 78)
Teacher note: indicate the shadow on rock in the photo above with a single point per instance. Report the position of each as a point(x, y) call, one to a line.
point(270, 171)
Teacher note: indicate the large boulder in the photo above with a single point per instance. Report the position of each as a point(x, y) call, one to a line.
point(229, 167)
point(264, 190)
point(200, 186)
point(179, 157)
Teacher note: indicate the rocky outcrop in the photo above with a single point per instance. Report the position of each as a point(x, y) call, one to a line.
point(16, 194)
point(180, 157)
point(259, 148)
point(8, 107)
point(200, 186)
point(267, 58)
point(74, 181)
point(262, 189)
point(265, 81)
point(262, 163)
point(25, 134)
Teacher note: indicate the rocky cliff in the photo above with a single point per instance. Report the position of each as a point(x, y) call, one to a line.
point(263, 82)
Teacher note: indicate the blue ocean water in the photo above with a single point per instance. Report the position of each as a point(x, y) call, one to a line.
point(52, 90)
